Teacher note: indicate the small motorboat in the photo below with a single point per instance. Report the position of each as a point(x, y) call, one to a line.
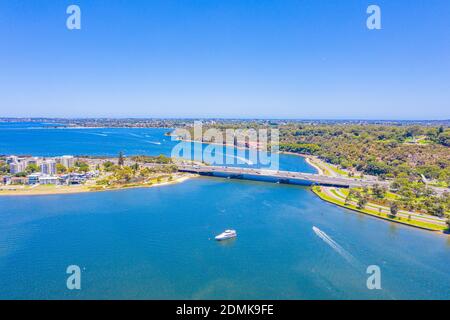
point(227, 234)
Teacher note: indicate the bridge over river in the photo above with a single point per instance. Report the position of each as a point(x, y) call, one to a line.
point(288, 177)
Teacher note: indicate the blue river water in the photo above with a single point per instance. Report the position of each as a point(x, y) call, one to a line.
point(157, 243)
point(45, 140)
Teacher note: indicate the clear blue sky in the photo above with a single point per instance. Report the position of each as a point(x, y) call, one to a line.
point(225, 58)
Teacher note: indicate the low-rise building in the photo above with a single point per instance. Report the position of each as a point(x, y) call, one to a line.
point(48, 180)
point(19, 180)
point(6, 180)
point(74, 178)
point(34, 178)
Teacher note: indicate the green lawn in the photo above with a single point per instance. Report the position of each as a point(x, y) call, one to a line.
point(329, 167)
point(418, 140)
point(389, 195)
point(414, 223)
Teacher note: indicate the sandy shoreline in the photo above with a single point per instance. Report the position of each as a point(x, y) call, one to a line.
point(62, 190)
point(319, 169)
point(308, 159)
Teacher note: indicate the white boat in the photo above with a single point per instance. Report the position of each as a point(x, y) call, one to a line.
point(228, 234)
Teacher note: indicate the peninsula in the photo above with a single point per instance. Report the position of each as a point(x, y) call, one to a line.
point(27, 175)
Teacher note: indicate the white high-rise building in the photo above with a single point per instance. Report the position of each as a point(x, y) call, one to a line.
point(48, 167)
point(17, 167)
point(67, 161)
point(33, 160)
point(12, 159)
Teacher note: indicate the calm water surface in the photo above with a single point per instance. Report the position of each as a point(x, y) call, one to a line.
point(156, 243)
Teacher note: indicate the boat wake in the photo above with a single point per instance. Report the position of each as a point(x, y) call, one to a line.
point(152, 142)
point(135, 135)
point(96, 134)
point(334, 245)
point(246, 161)
point(249, 162)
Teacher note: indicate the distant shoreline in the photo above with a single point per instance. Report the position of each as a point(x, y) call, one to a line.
point(58, 120)
point(307, 157)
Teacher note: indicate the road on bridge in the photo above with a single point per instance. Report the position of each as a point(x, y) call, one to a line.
point(283, 176)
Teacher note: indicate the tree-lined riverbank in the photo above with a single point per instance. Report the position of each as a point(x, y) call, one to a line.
point(408, 218)
point(88, 174)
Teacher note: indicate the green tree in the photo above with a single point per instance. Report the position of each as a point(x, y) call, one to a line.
point(437, 209)
point(108, 166)
point(60, 168)
point(123, 174)
point(4, 168)
point(163, 159)
point(394, 208)
point(378, 192)
point(82, 166)
point(347, 199)
point(365, 190)
point(376, 168)
point(444, 138)
point(20, 174)
point(31, 168)
point(135, 167)
point(362, 202)
point(121, 160)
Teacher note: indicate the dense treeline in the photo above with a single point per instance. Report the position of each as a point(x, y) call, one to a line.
point(386, 151)
point(135, 173)
point(161, 159)
point(410, 196)
point(304, 148)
